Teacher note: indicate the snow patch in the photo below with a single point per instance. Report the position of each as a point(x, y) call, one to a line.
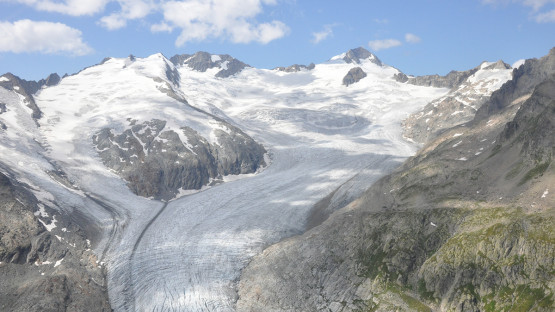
point(224, 65)
point(58, 262)
point(457, 144)
point(2, 79)
point(462, 159)
point(545, 193)
point(41, 212)
point(518, 63)
point(215, 58)
point(457, 134)
point(51, 226)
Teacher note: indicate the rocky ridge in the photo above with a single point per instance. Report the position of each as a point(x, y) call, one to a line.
point(27, 88)
point(202, 61)
point(459, 105)
point(295, 68)
point(451, 80)
point(465, 225)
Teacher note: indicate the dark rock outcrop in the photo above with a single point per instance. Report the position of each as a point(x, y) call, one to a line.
point(158, 163)
point(202, 61)
point(353, 76)
point(400, 77)
point(44, 270)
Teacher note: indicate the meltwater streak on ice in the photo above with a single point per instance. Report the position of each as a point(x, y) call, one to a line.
point(188, 255)
point(320, 134)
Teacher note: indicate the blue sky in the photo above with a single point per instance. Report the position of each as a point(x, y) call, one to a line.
point(38, 37)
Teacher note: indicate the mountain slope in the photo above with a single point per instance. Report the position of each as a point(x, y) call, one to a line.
point(465, 225)
point(40, 270)
point(145, 132)
point(460, 104)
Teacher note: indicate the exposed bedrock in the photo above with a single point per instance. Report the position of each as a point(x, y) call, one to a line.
point(160, 163)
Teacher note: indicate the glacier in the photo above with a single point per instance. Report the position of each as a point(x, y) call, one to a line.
point(186, 254)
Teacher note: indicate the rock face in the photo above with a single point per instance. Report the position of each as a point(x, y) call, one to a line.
point(40, 270)
point(202, 61)
point(27, 89)
point(525, 78)
point(400, 77)
point(459, 105)
point(451, 80)
point(465, 225)
point(295, 68)
point(159, 163)
point(356, 55)
point(353, 76)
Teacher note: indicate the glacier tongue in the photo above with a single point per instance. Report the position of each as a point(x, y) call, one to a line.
point(321, 136)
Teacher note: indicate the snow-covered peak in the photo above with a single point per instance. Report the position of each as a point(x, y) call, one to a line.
point(357, 56)
point(494, 65)
point(155, 66)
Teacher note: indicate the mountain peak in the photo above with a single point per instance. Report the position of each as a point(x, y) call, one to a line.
point(360, 53)
point(497, 65)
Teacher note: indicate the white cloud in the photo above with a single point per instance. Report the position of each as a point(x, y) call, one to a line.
point(377, 45)
point(234, 20)
point(69, 7)
point(381, 21)
point(322, 35)
point(412, 38)
point(161, 27)
point(547, 17)
point(130, 9)
point(113, 22)
point(536, 5)
point(44, 37)
point(230, 19)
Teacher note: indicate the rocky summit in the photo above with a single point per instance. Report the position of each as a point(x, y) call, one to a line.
point(199, 183)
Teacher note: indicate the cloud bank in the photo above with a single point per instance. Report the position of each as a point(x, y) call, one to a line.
point(44, 37)
point(233, 20)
